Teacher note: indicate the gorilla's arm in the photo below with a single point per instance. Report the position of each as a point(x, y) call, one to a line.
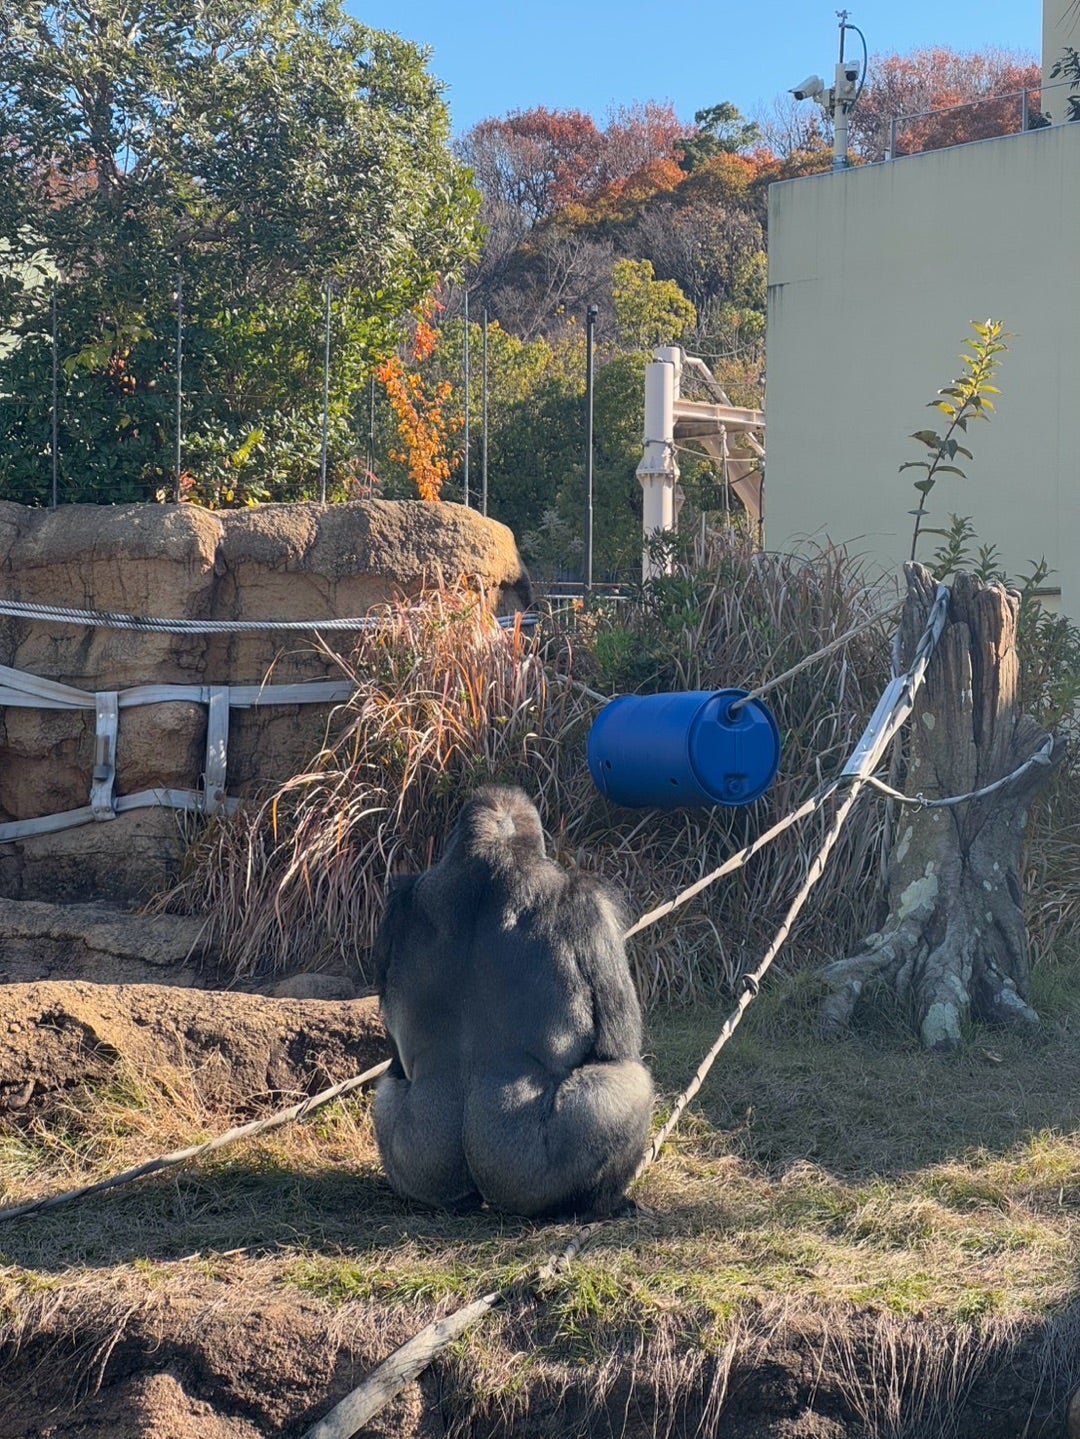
point(598, 926)
point(393, 930)
point(392, 938)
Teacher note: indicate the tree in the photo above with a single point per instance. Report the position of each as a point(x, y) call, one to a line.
point(26, 272)
point(955, 943)
point(1068, 68)
point(555, 188)
point(966, 90)
point(721, 130)
point(258, 148)
point(535, 160)
point(424, 425)
point(649, 311)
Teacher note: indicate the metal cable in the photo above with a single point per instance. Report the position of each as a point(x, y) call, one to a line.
point(99, 619)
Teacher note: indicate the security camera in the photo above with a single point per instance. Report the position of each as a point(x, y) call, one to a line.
point(847, 80)
point(812, 86)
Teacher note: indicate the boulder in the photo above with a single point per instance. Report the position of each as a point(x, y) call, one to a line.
point(274, 562)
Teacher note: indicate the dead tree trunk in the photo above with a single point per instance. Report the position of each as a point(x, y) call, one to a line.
point(955, 941)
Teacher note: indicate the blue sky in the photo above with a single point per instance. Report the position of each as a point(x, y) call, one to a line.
point(592, 54)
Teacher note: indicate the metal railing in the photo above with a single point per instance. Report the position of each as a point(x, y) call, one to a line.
point(985, 118)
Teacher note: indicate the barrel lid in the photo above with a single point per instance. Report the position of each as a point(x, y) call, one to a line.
point(734, 753)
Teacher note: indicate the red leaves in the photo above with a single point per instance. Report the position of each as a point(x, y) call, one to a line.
point(424, 426)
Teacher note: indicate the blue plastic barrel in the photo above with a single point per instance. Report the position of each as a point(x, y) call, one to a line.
point(673, 750)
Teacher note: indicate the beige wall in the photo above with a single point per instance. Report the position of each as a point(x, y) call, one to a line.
point(874, 276)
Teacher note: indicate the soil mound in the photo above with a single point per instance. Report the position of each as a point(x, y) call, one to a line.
point(238, 1050)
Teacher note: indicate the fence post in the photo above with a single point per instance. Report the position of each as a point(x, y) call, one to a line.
point(54, 443)
point(325, 398)
point(179, 375)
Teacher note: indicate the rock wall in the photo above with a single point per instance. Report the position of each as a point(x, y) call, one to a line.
point(276, 562)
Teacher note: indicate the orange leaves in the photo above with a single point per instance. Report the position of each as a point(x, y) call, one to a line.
point(424, 425)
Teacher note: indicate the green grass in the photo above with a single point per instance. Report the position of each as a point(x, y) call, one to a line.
point(903, 1216)
point(843, 1174)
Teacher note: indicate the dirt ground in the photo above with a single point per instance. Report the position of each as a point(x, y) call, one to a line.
point(56, 1035)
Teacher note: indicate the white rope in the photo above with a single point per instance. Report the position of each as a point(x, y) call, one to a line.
point(735, 862)
point(196, 1151)
point(103, 619)
point(820, 654)
point(411, 1358)
point(1042, 757)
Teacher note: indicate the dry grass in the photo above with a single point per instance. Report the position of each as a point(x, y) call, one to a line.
point(445, 700)
point(899, 1229)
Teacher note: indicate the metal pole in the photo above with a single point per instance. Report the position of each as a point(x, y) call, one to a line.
point(1024, 115)
point(179, 374)
point(371, 435)
point(590, 326)
point(55, 406)
point(325, 398)
point(840, 107)
point(484, 423)
point(466, 472)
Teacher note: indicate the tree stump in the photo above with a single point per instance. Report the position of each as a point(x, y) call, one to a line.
point(955, 941)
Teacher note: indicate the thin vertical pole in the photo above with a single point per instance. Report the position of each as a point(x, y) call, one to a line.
point(55, 441)
point(484, 422)
point(466, 471)
point(590, 326)
point(325, 398)
point(371, 427)
point(179, 375)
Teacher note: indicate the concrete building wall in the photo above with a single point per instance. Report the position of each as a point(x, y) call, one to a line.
point(874, 276)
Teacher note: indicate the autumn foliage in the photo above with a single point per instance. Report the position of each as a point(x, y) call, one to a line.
point(424, 425)
point(941, 97)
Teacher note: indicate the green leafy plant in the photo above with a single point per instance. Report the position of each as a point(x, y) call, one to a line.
point(966, 399)
point(255, 149)
point(1068, 68)
point(26, 272)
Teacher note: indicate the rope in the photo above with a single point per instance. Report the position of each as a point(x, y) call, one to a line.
point(350, 1415)
point(735, 862)
point(411, 1358)
point(101, 619)
point(809, 660)
point(1043, 757)
point(181, 1156)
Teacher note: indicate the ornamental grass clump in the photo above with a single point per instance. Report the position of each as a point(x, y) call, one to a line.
point(444, 700)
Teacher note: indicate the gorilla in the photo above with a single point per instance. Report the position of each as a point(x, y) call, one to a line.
point(516, 1075)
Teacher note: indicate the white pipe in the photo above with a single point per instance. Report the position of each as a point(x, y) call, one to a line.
point(840, 135)
point(658, 471)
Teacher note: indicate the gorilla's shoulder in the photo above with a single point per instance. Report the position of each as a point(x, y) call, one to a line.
point(590, 901)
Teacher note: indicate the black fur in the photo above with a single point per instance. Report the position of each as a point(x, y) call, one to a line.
point(505, 989)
